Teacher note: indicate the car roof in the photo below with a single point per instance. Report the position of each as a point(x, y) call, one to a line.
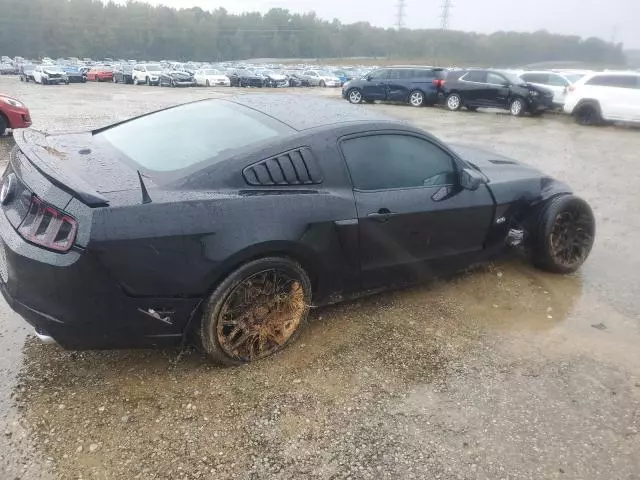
point(304, 113)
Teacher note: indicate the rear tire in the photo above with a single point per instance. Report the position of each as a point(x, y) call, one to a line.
point(416, 98)
point(148, 81)
point(322, 84)
point(279, 293)
point(589, 115)
point(454, 102)
point(208, 83)
point(472, 109)
point(562, 233)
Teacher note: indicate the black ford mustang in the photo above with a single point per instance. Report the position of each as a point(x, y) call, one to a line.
point(227, 219)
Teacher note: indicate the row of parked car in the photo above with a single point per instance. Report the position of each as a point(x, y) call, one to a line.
point(591, 97)
point(180, 74)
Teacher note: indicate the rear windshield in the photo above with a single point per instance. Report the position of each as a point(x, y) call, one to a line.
point(190, 134)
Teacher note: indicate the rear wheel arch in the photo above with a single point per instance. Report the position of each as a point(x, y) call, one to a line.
point(286, 250)
point(587, 102)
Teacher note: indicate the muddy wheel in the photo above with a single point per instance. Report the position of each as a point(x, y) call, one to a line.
point(563, 235)
point(256, 311)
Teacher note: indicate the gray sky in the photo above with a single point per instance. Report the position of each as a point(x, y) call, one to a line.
point(617, 19)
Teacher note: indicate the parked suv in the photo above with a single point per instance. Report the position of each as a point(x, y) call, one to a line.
point(605, 96)
point(417, 86)
point(146, 73)
point(496, 89)
point(557, 82)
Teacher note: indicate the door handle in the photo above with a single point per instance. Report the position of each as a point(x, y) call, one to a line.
point(381, 215)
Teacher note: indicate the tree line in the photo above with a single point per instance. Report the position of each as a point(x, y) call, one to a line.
point(91, 28)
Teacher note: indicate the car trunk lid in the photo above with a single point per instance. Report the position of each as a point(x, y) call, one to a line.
point(76, 164)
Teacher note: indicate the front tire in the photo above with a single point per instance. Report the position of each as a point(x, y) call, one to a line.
point(517, 108)
point(563, 233)
point(322, 84)
point(355, 96)
point(3, 126)
point(416, 98)
point(147, 81)
point(256, 311)
point(454, 102)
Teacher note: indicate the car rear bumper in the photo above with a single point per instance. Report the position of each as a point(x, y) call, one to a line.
point(73, 299)
point(18, 117)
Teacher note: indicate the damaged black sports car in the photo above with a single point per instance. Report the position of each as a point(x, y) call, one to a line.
point(223, 221)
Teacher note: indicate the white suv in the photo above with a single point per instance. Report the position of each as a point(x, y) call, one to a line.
point(558, 82)
point(146, 73)
point(605, 96)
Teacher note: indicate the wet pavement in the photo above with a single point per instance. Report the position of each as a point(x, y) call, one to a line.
point(504, 372)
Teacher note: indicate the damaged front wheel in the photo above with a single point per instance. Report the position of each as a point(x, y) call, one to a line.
point(564, 234)
point(256, 311)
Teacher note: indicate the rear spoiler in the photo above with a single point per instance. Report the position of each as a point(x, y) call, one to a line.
point(55, 170)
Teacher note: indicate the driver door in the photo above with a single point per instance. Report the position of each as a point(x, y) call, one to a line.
point(415, 221)
point(375, 87)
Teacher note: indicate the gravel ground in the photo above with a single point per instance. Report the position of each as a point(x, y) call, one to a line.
point(501, 373)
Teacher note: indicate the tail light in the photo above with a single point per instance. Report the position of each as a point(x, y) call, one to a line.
point(46, 226)
point(438, 82)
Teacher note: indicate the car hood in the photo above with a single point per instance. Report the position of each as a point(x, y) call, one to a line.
point(54, 71)
point(496, 167)
point(180, 75)
point(277, 78)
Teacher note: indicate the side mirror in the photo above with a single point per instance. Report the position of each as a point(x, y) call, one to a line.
point(471, 179)
point(368, 78)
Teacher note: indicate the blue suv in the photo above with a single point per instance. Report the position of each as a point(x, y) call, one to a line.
point(416, 86)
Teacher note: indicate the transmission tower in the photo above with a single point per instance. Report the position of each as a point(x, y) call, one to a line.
point(400, 13)
point(445, 14)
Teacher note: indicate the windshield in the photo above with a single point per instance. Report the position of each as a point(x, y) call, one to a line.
point(154, 68)
point(184, 136)
point(514, 79)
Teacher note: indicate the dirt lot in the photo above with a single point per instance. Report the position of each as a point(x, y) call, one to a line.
point(502, 373)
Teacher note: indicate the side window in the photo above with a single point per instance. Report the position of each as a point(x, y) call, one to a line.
point(620, 81)
point(557, 80)
point(535, 78)
point(395, 74)
point(380, 75)
point(495, 79)
point(475, 76)
point(380, 162)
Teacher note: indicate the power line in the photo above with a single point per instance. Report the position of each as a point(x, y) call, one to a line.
point(400, 13)
point(445, 14)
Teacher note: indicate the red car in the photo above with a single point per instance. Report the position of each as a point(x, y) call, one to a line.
point(13, 114)
point(100, 74)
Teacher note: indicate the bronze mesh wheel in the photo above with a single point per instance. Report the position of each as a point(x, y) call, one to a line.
point(256, 311)
point(564, 235)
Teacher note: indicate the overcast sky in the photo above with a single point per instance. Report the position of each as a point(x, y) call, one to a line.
point(608, 19)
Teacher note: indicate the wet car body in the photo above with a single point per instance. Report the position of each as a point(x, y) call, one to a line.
point(176, 79)
point(123, 74)
point(74, 75)
point(13, 114)
point(494, 89)
point(147, 247)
